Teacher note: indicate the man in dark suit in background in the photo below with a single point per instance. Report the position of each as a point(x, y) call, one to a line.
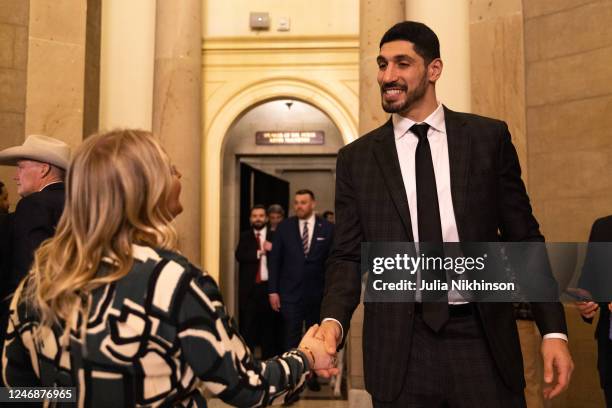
point(41, 166)
point(431, 175)
point(5, 259)
point(258, 322)
point(297, 267)
point(596, 265)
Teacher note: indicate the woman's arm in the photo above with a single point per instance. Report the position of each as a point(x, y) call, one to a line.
point(216, 352)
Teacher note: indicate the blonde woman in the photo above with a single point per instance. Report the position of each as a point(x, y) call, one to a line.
point(112, 309)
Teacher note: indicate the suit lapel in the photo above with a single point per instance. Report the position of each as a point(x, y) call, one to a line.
point(385, 153)
point(297, 235)
point(459, 158)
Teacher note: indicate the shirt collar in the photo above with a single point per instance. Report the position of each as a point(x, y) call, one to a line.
point(435, 120)
point(49, 184)
point(310, 219)
point(261, 231)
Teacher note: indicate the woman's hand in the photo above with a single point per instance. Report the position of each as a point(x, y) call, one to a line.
point(315, 351)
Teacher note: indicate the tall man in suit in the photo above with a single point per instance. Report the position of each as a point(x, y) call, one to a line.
point(297, 267)
point(430, 174)
point(258, 322)
point(597, 264)
point(41, 164)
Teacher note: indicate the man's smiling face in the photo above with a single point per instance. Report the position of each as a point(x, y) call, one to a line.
point(402, 76)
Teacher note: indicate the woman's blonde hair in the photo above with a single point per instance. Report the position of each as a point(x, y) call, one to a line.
point(117, 190)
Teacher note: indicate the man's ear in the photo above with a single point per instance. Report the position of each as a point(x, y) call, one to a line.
point(434, 70)
point(45, 169)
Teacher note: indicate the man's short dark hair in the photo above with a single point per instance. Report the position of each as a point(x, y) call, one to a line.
point(305, 191)
point(258, 207)
point(327, 213)
point(1, 185)
point(425, 41)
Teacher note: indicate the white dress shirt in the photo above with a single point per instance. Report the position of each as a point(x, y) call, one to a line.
point(406, 143)
point(261, 253)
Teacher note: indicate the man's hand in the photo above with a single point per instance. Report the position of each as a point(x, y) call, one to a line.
point(587, 309)
point(330, 332)
point(267, 246)
point(558, 366)
point(274, 299)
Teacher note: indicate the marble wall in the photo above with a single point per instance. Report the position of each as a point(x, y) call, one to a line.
point(13, 63)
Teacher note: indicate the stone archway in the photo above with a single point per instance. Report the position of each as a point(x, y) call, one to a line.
point(337, 107)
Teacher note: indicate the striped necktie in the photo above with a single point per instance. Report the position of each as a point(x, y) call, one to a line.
point(305, 238)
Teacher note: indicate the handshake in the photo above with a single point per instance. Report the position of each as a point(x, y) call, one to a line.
point(319, 344)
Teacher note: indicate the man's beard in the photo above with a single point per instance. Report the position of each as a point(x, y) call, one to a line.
point(258, 225)
point(411, 96)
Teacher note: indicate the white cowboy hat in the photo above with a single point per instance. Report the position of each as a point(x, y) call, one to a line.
point(39, 148)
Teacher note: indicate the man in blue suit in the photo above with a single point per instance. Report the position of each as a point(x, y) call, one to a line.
point(297, 267)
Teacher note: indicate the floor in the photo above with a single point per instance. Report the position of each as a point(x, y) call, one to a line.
point(309, 399)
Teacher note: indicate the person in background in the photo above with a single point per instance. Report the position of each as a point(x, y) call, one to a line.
point(595, 280)
point(329, 216)
point(4, 200)
point(276, 215)
point(110, 306)
point(5, 259)
point(41, 164)
point(297, 269)
point(258, 322)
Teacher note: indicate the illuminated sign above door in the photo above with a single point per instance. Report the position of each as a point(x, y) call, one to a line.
point(316, 137)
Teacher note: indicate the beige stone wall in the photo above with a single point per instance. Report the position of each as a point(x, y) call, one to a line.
point(498, 67)
point(568, 51)
point(568, 54)
point(56, 69)
point(313, 17)
point(13, 64)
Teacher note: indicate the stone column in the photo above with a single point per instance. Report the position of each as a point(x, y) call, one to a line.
point(177, 106)
point(375, 17)
point(56, 69)
point(126, 64)
point(498, 67)
point(450, 20)
point(14, 22)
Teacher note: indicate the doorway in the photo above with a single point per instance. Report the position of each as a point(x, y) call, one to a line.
point(310, 166)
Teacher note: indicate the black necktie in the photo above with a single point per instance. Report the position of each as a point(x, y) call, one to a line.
point(435, 314)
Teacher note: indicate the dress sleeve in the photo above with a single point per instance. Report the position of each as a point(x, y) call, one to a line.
point(19, 362)
point(212, 346)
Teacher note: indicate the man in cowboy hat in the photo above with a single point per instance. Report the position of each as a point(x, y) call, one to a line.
point(41, 167)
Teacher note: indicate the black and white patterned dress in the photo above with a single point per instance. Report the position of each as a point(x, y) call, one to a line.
point(157, 337)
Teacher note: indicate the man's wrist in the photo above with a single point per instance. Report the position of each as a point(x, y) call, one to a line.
point(560, 336)
point(331, 319)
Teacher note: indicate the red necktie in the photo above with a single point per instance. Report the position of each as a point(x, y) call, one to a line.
point(258, 275)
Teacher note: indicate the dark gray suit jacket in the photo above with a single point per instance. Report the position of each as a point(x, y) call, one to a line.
point(489, 198)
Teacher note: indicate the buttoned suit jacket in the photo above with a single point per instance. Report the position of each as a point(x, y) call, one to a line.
point(490, 202)
point(293, 275)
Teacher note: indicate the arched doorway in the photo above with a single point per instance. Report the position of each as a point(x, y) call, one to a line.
point(339, 106)
point(293, 166)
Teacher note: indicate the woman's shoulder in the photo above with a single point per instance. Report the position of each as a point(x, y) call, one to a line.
point(171, 276)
